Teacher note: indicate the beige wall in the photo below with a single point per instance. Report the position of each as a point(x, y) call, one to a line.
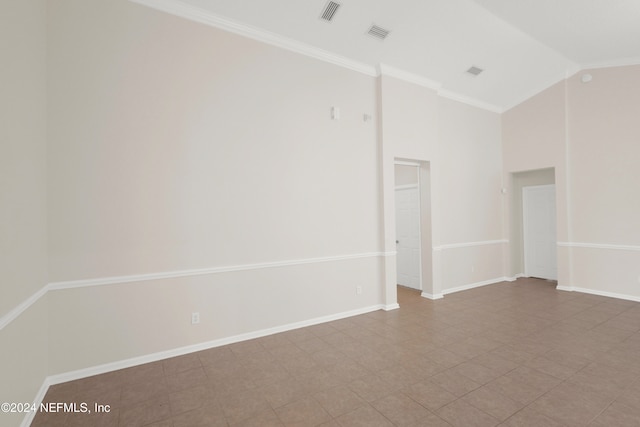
point(23, 245)
point(605, 179)
point(172, 146)
point(589, 134)
point(534, 136)
point(23, 157)
point(177, 146)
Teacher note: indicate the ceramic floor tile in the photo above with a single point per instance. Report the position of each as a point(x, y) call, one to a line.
point(301, 413)
point(365, 416)
point(208, 415)
point(429, 395)
point(400, 409)
point(339, 400)
point(462, 414)
point(493, 403)
point(189, 399)
point(618, 415)
point(455, 383)
point(519, 353)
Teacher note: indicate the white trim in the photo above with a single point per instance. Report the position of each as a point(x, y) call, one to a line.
point(193, 13)
point(387, 70)
point(13, 314)
point(28, 418)
point(469, 244)
point(474, 285)
point(635, 298)
point(470, 101)
point(17, 311)
point(390, 307)
point(514, 278)
point(599, 246)
point(154, 357)
point(431, 296)
point(406, 163)
point(406, 187)
point(203, 271)
point(623, 62)
point(203, 16)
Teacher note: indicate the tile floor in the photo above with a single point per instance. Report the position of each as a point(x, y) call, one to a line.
point(510, 354)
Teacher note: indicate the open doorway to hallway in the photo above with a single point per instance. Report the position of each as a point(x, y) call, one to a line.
point(413, 225)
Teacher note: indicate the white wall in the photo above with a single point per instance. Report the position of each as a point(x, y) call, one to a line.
point(23, 245)
point(462, 147)
point(470, 201)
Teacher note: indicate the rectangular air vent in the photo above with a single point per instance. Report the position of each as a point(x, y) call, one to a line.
point(329, 11)
point(378, 32)
point(475, 70)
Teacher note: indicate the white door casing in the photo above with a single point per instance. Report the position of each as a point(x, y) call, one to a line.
point(408, 236)
point(539, 231)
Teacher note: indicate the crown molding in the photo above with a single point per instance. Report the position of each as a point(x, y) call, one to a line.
point(622, 62)
point(470, 101)
point(193, 13)
point(387, 70)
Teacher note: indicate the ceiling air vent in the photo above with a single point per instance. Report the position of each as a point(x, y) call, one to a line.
point(329, 11)
point(474, 70)
point(378, 32)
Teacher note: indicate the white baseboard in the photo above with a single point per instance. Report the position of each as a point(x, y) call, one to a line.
point(29, 416)
point(514, 278)
point(390, 307)
point(431, 296)
point(474, 285)
point(154, 357)
point(634, 298)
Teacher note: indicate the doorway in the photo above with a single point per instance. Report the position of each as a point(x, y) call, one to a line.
point(539, 231)
point(413, 225)
point(518, 181)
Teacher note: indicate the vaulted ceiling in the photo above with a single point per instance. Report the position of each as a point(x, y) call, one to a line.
point(522, 46)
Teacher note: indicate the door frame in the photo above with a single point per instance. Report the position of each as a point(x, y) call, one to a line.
point(427, 262)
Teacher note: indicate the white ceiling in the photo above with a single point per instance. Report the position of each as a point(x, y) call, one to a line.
point(524, 46)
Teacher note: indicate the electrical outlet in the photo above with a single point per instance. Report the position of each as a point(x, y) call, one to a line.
point(195, 317)
point(473, 269)
point(358, 290)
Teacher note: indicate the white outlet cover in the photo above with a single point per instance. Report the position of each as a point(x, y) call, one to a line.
point(195, 318)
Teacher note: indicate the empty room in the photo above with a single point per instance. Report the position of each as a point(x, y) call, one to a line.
point(320, 213)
